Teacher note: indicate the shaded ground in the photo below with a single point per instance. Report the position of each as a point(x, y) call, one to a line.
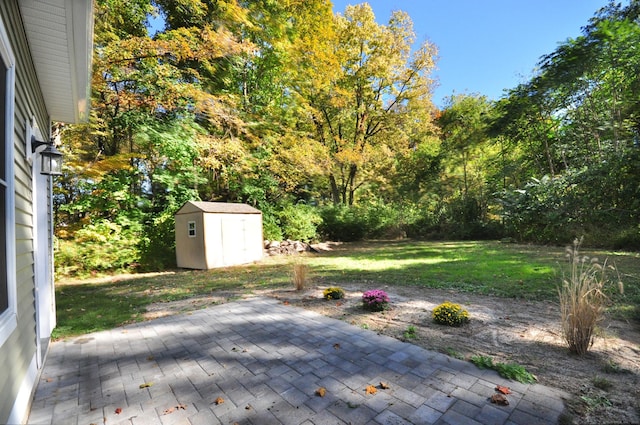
point(604, 384)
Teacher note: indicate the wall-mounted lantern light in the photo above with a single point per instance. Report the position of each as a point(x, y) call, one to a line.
point(51, 164)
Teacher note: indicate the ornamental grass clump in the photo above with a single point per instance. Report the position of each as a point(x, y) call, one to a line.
point(582, 299)
point(450, 314)
point(333, 293)
point(375, 300)
point(299, 275)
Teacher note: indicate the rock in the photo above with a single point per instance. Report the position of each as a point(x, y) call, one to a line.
point(286, 247)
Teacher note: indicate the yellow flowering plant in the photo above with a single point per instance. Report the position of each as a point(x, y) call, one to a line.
point(450, 314)
point(333, 293)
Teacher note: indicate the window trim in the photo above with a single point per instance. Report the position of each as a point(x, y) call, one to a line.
point(191, 228)
point(8, 318)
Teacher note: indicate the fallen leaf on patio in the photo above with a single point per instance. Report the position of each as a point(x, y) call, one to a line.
point(146, 385)
point(384, 385)
point(499, 399)
point(118, 411)
point(174, 408)
point(336, 346)
point(286, 303)
point(503, 390)
point(247, 407)
point(321, 391)
point(150, 358)
point(338, 304)
point(370, 389)
point(219, 400)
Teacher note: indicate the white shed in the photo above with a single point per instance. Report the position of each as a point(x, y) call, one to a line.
point(217, 234)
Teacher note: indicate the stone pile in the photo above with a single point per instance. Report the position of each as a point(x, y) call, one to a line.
point(286, 247)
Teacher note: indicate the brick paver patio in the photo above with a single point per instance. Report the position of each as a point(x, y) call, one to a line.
point(261, 362)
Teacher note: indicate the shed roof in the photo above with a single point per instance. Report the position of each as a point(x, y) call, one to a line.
point(217, 207)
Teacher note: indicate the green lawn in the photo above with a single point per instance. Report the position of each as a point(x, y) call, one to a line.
point(491, 268)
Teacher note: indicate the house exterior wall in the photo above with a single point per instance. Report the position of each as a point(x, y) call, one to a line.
point(18, 352)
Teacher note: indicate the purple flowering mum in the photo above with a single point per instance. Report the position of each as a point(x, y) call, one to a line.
point(375, 299)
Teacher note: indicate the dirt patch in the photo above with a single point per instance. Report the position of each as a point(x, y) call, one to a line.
point(604, 384)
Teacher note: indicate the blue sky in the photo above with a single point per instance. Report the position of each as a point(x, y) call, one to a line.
point(486, 46)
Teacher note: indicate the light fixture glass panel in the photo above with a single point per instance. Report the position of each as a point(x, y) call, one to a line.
point(51, 161)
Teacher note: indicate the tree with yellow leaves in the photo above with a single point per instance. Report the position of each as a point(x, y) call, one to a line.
point(367, 97)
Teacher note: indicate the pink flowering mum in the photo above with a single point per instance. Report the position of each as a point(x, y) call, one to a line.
point(375, 299)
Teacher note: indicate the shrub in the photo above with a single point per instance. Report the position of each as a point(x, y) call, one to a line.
point(375, 300)
point(627, 239)
point(158, 243)
point(450, 314)
point(271, 227)
point(333, 293)
point(582, 299)
point(299, 222)
point(105, 246)
point(372, 219)
point(341, 223)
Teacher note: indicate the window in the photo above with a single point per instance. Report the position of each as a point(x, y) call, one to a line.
point(7, 235)
point(191, 229)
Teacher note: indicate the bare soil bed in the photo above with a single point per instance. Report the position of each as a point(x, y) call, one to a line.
point(604, 385)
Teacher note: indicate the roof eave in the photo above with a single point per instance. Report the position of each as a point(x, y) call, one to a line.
point(60, 36)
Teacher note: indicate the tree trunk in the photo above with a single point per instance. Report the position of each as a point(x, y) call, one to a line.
point(547, 152)
point(351, 183)
point(335, 193)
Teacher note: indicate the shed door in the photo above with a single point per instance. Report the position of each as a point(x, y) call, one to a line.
point(234, 240)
